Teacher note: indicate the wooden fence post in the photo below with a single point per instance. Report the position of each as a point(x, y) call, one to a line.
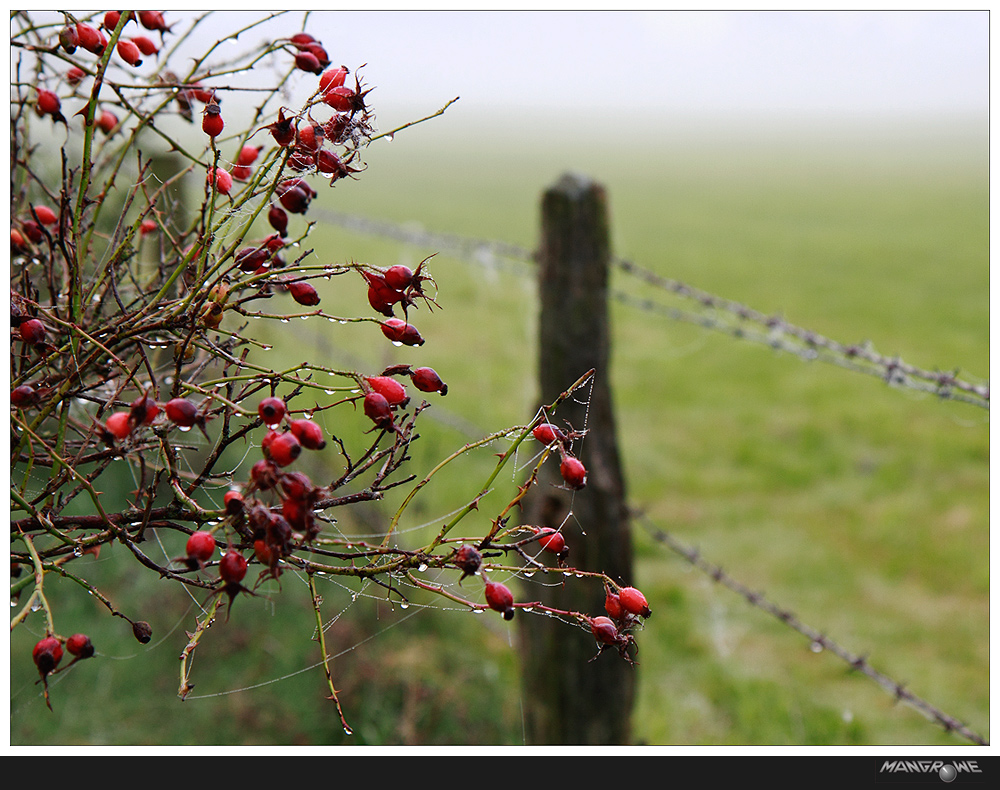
point(569, 699)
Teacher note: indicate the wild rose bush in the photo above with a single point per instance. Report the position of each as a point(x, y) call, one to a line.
point(131, 352)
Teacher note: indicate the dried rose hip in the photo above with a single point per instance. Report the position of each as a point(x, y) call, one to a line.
point(380, 295)
point(265, 474)
point(233, 500)
point(604, 630)
point(282, 130)
point(250, 259)
point(468, 559)
point(142, 631)
point(278, 219)
point(23, 396)
point(69, 40)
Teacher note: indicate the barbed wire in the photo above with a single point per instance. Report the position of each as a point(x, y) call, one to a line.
point(710, 311)
point(817, 639)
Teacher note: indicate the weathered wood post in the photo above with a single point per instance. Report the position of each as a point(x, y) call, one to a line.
point(569, 699)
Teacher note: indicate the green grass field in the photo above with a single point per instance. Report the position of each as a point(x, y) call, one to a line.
point(861, 508)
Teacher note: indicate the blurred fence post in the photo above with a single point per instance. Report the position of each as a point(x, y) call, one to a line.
point(568, 699)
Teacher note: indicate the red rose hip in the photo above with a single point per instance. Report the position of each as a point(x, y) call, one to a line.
point(500, 599)
point(284, 449)
point(222, 179)
point(604, 630)
point(398, 331)
point(633, 601)
point(378, 410)
point(232, 567)
point(212, 123)
point(200, 548)
point(119, 424)
point(129, 52)
point(427, 380)
point(309, 434)
point(547, 433)
point(80, 646)
point(47, 653)
point(271, 411)
point(181, 412)
point(388, 388)
point(32, 331)
point(303, 293)
point(552, 541)
point(573, 472)
point(613, 605)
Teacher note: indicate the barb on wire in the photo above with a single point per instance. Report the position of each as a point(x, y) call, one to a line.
point(710, 311)
point(734, 318)
point(856, 662)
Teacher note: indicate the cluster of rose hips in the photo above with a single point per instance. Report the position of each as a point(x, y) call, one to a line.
point(499, 598)
point(305, 143)
point(233, 566)
point(273, 534)
point(398, 285)
point(350, 125)
point(143, 411)
point(624, 608)
point(82, 35)
point(383, 395)
point(573, 472)
point(48, 652)
point(33, 229)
